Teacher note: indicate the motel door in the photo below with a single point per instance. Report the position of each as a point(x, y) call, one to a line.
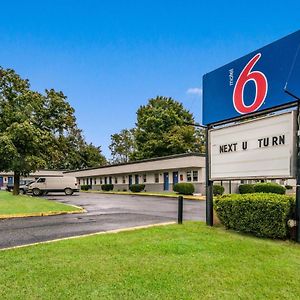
point(130, 180)
point(175, 178)
point(1, 181)
point(136, 179)
point(166, 181)
point(10, 180)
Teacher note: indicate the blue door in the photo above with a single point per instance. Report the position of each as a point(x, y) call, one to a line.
point(175, 178)
point(136, 179)
point(10, 180)
point(1, 181)
point(130, 180)
point(166, 181)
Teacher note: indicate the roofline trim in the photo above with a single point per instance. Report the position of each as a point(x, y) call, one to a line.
point(140, 161)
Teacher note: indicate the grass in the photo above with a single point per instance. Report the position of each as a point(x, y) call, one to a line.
point(11, 205)
point(156, 194)
point(189, 261)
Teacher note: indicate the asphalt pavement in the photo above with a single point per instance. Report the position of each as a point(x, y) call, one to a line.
point(104, 212)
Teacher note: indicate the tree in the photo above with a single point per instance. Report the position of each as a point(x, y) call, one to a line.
point(35, 128)
point(91, 156)
point(122, 146)
point(162, 129)
point(72, 152)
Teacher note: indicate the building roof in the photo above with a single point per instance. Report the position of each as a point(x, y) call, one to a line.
point(141, 161)
point(185, 160)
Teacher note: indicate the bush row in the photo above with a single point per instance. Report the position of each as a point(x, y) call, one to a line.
point(262, 188)
point(184, 188)
point(264, 215)
point(85, 187)
point(218, 190)
point(136, 188)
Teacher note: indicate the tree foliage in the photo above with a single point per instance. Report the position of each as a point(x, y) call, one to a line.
point(122, 146)
point(163, 128)
point(36, 130)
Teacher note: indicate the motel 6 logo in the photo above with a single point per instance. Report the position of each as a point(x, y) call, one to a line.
point(261, 86)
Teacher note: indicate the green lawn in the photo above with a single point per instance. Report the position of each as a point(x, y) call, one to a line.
point(190, 261)
point(27, 205)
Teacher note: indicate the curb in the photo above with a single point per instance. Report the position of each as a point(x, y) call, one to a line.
point(92, 234)
point(43, 214)
point(141, 194)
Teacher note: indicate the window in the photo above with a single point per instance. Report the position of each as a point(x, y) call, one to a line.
point(78, 181)
point(156, 178)
point(144, 178)
point(195, 175)
point(188, 176)
point(42, 180)
point(181, 177)
point(124, 179)
point(116, 180)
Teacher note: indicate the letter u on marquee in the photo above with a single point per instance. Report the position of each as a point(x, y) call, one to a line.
point(261, 85)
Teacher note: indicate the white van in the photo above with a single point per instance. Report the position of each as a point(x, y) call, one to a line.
point(43, 185)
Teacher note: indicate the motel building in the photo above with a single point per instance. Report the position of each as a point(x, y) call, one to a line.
point(158, 174)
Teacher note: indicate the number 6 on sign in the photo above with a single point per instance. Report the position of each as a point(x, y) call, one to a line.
point(261, 85)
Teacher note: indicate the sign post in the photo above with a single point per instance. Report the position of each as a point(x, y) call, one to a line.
point(209, 185)
point(298, 179)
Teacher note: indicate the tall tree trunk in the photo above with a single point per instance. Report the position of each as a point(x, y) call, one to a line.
point(16, 190)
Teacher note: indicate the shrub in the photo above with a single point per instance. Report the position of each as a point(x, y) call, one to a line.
point(288, 187)
point(136, 188)
point(107, 187)
point(269, 188)
point(85, 187)
point(246, 188)
point(218, 190)
point(184, 188)
point(264, 215)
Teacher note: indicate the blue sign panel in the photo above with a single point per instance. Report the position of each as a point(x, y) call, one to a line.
point(263, 79)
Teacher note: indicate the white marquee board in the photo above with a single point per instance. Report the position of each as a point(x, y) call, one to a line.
point(259, 148)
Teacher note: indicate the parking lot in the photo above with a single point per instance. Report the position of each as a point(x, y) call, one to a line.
point(104, 212)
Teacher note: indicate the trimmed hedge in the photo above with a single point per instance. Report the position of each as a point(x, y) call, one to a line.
point(246, 188)
point(85, 187)
point(184, 188)
point(269, 188)
point(218, 190)
point(136, 188)
point(107, 187)
point(264, 215)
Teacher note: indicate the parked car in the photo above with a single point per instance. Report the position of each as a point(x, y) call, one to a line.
point(23, 186)
point(43, 185)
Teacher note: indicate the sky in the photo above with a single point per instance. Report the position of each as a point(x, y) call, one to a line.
point(110, 57)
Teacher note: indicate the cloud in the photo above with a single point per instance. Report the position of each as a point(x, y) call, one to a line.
point(194, 91)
